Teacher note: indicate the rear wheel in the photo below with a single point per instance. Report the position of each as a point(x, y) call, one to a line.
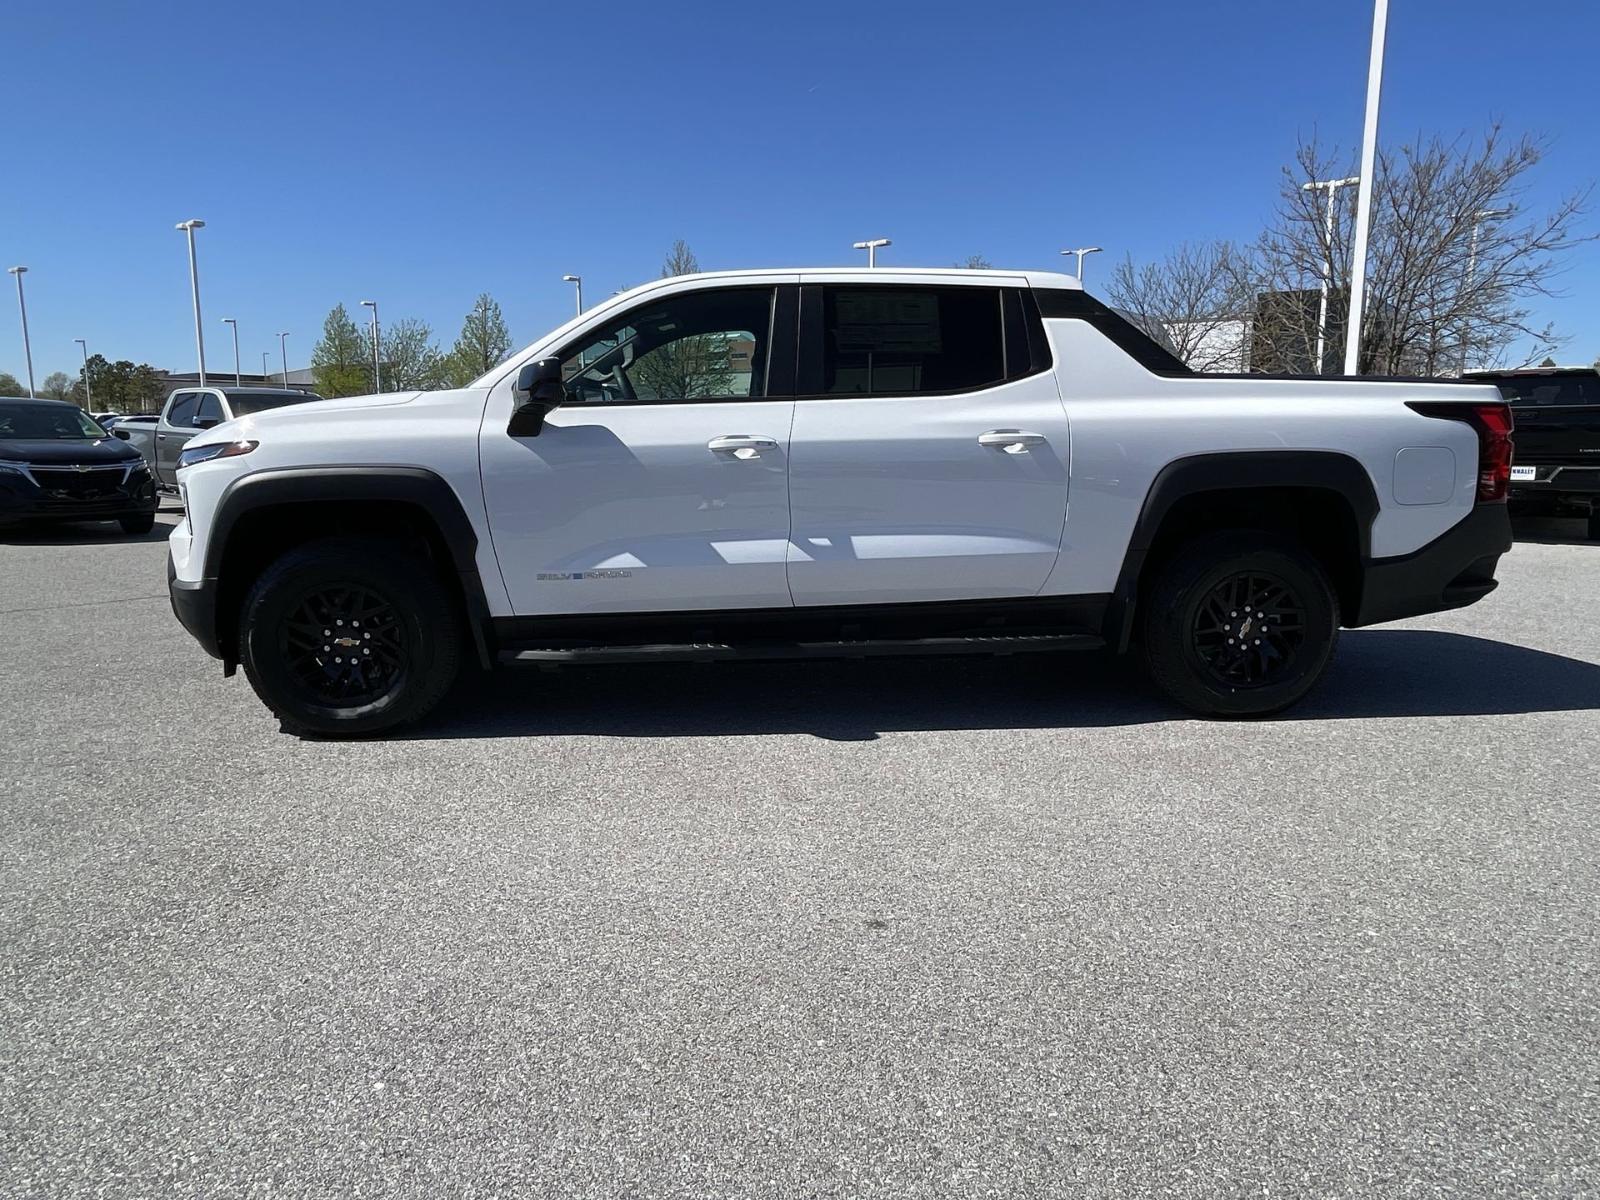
point(143, 523)
point(1240, 624)
point(349, 637)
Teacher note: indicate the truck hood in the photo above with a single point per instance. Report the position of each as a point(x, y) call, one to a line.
point(71, 451)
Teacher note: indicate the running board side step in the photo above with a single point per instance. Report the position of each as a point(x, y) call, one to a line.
point(727, 651)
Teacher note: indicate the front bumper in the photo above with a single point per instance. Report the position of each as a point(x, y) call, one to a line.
point(194, 603)
point(1452, 571)
point(23, 500)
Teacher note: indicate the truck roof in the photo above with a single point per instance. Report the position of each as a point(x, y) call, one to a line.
point(1043, 279)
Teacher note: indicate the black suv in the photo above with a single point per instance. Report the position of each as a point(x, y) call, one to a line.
point(1556, 466)
point(57, 464)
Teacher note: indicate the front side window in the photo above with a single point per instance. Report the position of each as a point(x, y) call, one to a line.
point(210, 410)
point(182, 414)
point(245, 404)
point(904, 340)
point(702, 345)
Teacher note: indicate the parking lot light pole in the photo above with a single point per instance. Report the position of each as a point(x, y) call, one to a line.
point(88, 400)
point(1081, 251)
point(22, 307)
point(1369, 153)
point(1331, 186)
point(188, 228)
point(238, 377)
point(576, 280)
point(284, 356)
point(377, 379)
point(263, 366)
point(1478, 218)
point(871, 247)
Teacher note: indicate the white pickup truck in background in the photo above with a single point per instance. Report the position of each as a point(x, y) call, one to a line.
point(189, 411)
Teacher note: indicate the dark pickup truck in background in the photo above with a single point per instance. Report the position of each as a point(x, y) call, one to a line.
point(1555, 467)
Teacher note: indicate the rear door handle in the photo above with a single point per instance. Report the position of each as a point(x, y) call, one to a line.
point(736, 442)
point(1012, 441)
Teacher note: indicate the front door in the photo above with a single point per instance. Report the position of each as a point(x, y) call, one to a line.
point(173, 432)
point(661, 483)
point(929, 455)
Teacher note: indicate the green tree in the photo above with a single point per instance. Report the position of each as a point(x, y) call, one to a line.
point(120, 387)
point(410, 359)
point(680, 261)
point(10, 385)
point(483, 342)
point(341, 360)
point(57, 385)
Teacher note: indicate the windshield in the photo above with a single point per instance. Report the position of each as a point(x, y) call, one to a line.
point(47, 422)
point(245, 403)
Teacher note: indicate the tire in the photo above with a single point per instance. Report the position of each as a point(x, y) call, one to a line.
point(1593, 528)
point(1189, 615)
point(412, 628)
point(143, 523)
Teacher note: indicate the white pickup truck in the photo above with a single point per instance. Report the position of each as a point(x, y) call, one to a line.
point(784, 463)
point(189, 412)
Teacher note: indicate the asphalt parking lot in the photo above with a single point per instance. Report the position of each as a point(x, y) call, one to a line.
point(1007, 927)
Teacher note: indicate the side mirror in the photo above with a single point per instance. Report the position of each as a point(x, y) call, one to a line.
point(537, 391)
point(123, 434)
point(207, 423)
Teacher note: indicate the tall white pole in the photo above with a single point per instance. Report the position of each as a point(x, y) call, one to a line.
point(1369, 154)
point(377, 378)
point(238, 376)
point(1331, 186)
point(22, 307)
point(284, 355)
point(189, 227)
point(871, 247)
point(88, 400)
point(263, 366)
point(577, 281)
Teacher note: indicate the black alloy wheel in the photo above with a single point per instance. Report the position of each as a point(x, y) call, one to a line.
point(1248, 629)
point(344, 645)
point(1238, 623)
point(350, 636)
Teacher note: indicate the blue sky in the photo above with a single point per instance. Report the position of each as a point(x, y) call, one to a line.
point(422, 153)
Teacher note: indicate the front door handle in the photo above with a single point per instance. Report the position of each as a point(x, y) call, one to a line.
point(1012, 441)
point(742, 445)
point(161, 437)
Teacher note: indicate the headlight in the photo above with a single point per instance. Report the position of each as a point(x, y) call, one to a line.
point(137, 466)
point(16, 468)
point(200, 454)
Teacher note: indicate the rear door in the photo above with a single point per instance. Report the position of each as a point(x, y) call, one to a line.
point(930, 446)
point(177, 426)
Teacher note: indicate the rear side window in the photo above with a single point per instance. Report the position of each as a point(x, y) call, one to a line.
point(182, 412)
point(900, 341)
point(246, 403)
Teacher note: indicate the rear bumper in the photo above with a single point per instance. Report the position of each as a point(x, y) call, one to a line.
point(194, 603)
point(1452, 571)
point(1558, 484)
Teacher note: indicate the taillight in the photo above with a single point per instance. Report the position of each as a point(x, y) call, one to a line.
point(1493, 425)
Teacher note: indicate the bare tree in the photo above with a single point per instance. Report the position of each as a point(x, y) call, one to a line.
point(975, 262)
point(1197, 299)
point(680, 261)
point(1456, 255)
point(410, 359)
point(57, 385)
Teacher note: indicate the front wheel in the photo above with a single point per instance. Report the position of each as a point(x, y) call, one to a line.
point(349, 637)
point(1240, 624)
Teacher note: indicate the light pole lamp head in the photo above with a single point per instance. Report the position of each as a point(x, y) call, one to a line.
point(572, 279)
point(230, 321)
point(16, 270)
point(871, 244)
point(369, 304)
point(191, 223)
